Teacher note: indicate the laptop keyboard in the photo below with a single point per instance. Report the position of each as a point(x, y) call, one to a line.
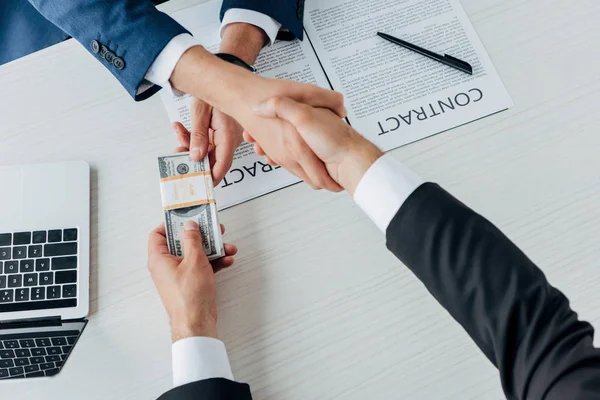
point(38, 270)
point(32, 355)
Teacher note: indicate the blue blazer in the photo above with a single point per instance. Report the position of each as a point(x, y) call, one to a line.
point(126, 36)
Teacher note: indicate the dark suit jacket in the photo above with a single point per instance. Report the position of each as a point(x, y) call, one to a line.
point(132, 30)
point(524, 326)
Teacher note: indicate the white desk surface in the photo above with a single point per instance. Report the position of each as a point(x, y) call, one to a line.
point(316, 308)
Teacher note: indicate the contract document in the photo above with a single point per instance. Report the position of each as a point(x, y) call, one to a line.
point(393, 96)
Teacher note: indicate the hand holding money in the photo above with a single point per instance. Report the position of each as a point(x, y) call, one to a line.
point(188, 195)
point(187, 285)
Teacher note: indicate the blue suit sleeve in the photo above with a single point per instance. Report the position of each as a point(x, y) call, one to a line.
point(289, 13)
point(130, 34)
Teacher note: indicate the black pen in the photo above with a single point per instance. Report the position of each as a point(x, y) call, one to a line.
point(445, 59)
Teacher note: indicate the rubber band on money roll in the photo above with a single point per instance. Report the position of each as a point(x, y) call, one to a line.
point(187, 190)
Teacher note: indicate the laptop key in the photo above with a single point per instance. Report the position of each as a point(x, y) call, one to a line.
point(42, 264)
point(27, 266)
point(37, 360)
point(35, 374)
point(47, 365)
point(21, 362)
point(32, 368)
point(6, 296)
point(15, 281)
point(66, 349)
point(52, 372)
point(22, 295)
point(38, 293)
point(7, 354)
point(30, 280)
point(11, 267)
point(64, 263)
point(35, 251)
point(46, 278)
point(59, 249)
point(3, 373)
point(59, 341)
point(22, 353)
point(4, 253)
point(55, 236)
point(22, 238)
point(65, 276)
point(71, 339)
point(2, 281)
point(11, 344)
point(27, 343)
point(52, 358)
point(54, 351)
point(38, 352)
point(69, 291)
point(5, 239)
point(69, 235)
point(6, 363)
point(54, 292)
point(39, 237)
point(19, 252)
point(16, 371)
point(44, 342)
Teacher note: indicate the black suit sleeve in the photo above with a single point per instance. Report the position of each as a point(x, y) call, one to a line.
point(504, 302)
point(210, 389)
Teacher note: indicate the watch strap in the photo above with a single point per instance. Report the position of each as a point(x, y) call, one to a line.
point(230, 58)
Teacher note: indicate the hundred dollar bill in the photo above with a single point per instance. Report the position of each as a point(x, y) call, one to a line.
point(187, 193)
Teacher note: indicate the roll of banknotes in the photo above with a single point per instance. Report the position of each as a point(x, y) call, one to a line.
point(187, 193)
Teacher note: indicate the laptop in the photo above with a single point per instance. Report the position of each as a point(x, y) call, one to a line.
point(44, 266)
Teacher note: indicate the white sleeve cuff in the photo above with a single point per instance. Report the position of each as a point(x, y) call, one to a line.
point(260, 20)
point(163, 66)
point(384, 188)
point(199, 358)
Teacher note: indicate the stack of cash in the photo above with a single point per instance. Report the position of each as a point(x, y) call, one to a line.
point(188, 194)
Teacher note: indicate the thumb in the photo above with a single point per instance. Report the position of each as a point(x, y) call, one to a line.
point(285, 108)
point(201, 116)
point(192, 243)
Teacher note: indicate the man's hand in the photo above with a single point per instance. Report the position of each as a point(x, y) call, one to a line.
point(187, 285)
point(346, 154)
point(236, 91)
point(213, 131)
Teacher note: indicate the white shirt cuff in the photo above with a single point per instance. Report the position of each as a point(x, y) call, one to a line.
point(199, 358)
point(163, 66)
point(260, 20)
point(384, 188)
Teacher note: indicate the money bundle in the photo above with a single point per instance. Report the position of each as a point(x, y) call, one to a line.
point(187, 193)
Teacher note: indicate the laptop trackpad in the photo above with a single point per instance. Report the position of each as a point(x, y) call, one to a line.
point(11, 198)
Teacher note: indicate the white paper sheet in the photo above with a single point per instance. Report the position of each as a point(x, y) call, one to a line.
point(394, 96)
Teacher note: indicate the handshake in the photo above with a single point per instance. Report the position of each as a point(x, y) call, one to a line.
point(298, 126)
